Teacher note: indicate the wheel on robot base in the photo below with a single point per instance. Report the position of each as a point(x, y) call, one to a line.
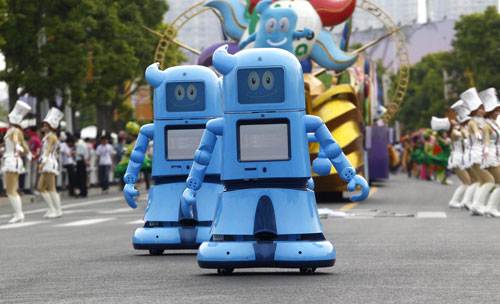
point(224, 271)
point(307, 270)
point(156, 251)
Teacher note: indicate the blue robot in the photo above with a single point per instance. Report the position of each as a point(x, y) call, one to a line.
point(266, 216)
point(185, 98)
point(277, 28)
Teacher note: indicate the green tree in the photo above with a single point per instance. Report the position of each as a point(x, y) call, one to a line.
point(3, 17)
point(476, 47)
point(122, 49)
point(425, 94)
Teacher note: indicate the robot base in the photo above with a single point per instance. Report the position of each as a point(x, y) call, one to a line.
point(277, 254)
point(157, 239)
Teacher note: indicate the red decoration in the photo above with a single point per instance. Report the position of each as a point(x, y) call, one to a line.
point(333, 12)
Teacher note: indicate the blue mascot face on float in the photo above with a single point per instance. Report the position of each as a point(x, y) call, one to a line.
point(261, 85)
point(276, 26)
point(185, 96)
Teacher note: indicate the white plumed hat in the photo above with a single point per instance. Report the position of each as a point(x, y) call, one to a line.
point(461, 110)
point(20, 110)
point(53, 117)
point(489, 99)
point(471, 99)
point(438, 124)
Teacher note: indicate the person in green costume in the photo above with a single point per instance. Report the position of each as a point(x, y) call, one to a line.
point(132, 129)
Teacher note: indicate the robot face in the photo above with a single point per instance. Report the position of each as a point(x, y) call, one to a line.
point(261, 85)
point(185, 96)
point(277, 26)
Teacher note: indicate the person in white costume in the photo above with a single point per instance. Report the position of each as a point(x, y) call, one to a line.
point(12, 164)
point(480, 145)
point(492, 161)
point(466, 165)
point(49, 167)
point(455, 161)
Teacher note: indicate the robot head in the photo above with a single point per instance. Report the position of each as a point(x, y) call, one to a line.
point(276, 25)
point(260, 80)
point(185, 92)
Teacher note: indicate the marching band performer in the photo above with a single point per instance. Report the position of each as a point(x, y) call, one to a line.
point(480, 144)
point(12, 164)
point(49, 167)
point(466, 165)
point(455, 161)
point(492, 161)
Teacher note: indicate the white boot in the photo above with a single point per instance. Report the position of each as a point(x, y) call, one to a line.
point(15, 201)
point(57, 203)
point(469, 194)
point(492, 206)
point(457, 197)
point(52, 211)
point(479, 203)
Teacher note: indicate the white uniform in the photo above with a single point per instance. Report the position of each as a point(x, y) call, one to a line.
point(477, 147)
point(51, 165)
point(456, 159)
point(12, 160)
point(493, 160)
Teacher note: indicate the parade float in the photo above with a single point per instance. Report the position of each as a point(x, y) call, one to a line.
point(341, 86)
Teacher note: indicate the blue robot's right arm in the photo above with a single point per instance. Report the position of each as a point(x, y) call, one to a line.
point(134, 166)
point(250, 39)
point(201, 161)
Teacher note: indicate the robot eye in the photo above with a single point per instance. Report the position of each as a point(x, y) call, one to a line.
point(284, 24)
point(271, 25)
point(192, 92)
point(179, 92)
point(268, 80)
point(253, 81)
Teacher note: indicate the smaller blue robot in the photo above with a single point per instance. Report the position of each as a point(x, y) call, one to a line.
point(277, 28)
point(267, 214)
point(185, 98)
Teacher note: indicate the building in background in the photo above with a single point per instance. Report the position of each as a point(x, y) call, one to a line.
point(200, 32)
point(401, 12)
point(438, 10)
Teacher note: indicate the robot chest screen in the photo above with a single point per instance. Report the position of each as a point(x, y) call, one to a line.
point(263, 140)
point(181, 142)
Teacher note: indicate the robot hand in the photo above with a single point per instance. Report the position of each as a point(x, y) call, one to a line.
point(309, 34)
point(188, 200)
point(129, 191)
point(361, 182)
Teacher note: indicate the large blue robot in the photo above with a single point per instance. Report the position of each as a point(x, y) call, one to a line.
point(185, 98)
point(266, 216)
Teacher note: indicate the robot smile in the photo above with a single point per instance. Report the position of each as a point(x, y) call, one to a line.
point(272, 43)
point(260, 96)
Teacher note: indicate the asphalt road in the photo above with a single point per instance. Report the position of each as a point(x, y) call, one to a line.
point(403, 245)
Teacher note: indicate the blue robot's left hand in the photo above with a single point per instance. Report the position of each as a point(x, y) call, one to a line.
point(361, 182)
point(188, 200)
point(129, 191)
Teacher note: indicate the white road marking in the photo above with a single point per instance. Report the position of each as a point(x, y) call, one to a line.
point(86, 222)
point(136, 222)
point(119, 210)
point(19, 225)
point(430, 214)
point(68, 206)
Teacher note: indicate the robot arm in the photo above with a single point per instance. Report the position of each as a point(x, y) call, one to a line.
point(321, 164)
point(201, 161)
point(303, 34)
point(135, 163)
point(334, 153)
point(250, 39)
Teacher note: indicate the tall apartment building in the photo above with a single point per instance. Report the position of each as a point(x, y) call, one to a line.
point(452, 9)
